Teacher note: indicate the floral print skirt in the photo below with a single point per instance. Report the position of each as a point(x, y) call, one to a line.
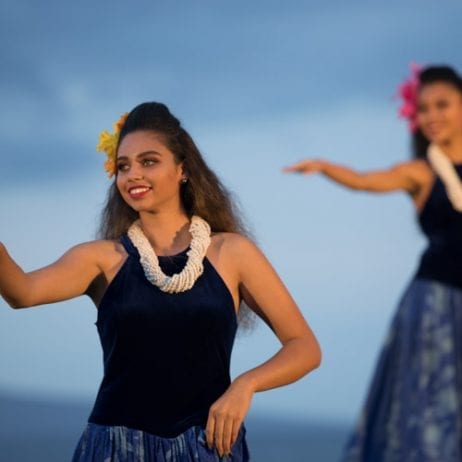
point(413, 412)
point(104, 443)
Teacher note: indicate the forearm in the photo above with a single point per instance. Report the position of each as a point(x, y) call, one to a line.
point(294, 360)
point(13, 280)
point(343, 175)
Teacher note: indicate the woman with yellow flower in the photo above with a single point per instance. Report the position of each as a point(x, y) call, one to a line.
point(169, 277)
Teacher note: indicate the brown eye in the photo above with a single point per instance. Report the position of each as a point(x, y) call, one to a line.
point(149, 162)
point(442, 104)
point(122, 167)
point(422, 108)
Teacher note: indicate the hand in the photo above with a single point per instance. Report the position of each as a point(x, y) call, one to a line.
point(305, 166)
point(226, 416)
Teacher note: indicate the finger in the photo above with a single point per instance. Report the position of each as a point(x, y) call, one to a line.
point(235, 433)
point(228, 435)
point(291, 168)
point(210, 431)
point(219, 429)
point(299, 167)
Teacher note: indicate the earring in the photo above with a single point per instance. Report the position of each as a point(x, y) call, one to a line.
point(184, 180)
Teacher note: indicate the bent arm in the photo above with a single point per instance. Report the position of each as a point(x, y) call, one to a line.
point(68, 277)
point(263, 291)
point(399, 177)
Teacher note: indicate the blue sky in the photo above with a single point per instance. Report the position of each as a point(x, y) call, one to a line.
point(258, 85)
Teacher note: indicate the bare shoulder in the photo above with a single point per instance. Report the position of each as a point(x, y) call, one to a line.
point(103, 253)
point(104, 246)
point(417, 169)
point(237, 255)
point(232, 244)
point(96, 247)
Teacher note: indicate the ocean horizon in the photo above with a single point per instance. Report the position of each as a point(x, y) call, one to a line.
point(34, 429)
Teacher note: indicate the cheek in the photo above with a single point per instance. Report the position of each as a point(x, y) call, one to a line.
point(421, 118)
point(458, 115)
point(454, 115)
point(173, 176)
point(119, 183)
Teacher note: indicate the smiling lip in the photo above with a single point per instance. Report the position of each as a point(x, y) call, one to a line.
point(434, 128)
point(138, 192)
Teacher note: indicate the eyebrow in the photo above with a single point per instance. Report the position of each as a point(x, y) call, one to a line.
point(142, 154)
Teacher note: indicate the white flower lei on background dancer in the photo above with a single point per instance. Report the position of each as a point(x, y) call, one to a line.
point(180, 282)
point(445, 169)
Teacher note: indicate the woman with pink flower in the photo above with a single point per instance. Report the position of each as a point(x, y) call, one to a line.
point(413, 411)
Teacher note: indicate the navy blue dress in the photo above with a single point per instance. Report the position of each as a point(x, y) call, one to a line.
point(166, 361)
point(413, 412)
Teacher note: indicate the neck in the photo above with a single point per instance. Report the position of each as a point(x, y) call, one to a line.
point(453, 149)
point(167, 232)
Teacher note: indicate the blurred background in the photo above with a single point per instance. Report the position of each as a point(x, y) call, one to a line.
point(259, 85)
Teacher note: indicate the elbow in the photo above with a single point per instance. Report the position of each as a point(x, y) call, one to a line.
point(18, 306)
point(310, 354)
point(17, 303)
point(319, 359)
point(316, 356)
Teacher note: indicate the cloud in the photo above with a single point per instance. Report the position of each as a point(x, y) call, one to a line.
point(63, 80)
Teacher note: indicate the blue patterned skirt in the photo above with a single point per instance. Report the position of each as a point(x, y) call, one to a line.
point(413, 412)
point(104, 443)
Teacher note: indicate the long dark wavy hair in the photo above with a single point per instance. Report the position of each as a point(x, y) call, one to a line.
point(427, 76)
point(203, 194)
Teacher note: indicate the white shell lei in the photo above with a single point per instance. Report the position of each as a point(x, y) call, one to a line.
point(180, 282)
point(448, 175)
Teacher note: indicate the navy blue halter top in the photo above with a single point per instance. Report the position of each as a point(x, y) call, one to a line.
point(166, 356)
point(442, 224)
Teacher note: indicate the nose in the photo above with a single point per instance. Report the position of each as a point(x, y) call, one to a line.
point(135, 173)
point(431, 115)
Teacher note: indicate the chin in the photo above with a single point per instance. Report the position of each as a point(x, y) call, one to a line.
point(439, 138)
point(136, 207)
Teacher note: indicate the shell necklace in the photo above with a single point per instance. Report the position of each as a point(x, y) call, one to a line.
point(180, 282)
point(447, 173)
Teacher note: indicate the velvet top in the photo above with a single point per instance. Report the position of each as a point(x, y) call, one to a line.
point(442, 224)
point(166, 356)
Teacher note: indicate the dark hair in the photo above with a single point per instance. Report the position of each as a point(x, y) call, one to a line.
point(203, 194)
point(427, 76)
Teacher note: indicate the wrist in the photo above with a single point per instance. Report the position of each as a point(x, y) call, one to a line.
point(246, 381)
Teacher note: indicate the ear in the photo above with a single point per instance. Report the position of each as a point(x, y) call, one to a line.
point(183, 169)
point(183, 174)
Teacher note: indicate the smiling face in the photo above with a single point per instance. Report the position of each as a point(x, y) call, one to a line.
point(148, 175)
point(439, 112)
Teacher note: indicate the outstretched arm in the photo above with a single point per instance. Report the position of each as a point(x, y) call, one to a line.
point(263, 291)
point(403, 176)
point(68, 277)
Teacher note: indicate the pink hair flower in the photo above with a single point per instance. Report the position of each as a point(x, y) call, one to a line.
point(407, 92)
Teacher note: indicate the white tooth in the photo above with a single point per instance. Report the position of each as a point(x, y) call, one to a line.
point(138, 190)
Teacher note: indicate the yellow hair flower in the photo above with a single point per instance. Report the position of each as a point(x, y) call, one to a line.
point(108, 143)
point(120, 123)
